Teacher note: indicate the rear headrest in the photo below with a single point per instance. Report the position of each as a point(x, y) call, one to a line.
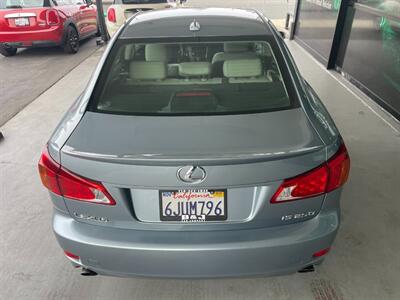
point(236, 47)
point(142, 70)
point(156, 52)
point(194, 69)
point(243, 68)
point(222, 56)
point(129, 52)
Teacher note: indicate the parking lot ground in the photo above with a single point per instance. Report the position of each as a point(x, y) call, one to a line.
point(364, 262)
point(32, 71)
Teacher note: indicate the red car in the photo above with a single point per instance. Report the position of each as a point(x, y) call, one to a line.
point(38, 23)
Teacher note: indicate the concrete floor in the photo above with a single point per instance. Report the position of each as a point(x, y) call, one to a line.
point(364, 263)
point(32, 71)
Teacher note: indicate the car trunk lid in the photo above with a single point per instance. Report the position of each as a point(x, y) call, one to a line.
point(248, 156)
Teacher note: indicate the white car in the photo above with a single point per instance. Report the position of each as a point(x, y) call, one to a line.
point(121, 10)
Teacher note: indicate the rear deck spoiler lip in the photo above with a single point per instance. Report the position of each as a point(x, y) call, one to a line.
point(160, 159)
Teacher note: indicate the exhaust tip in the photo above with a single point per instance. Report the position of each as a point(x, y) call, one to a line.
point(87, 272)
point(307, 269)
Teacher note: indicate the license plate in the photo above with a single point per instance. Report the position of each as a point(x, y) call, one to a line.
point(201, 205)
point(22, 22)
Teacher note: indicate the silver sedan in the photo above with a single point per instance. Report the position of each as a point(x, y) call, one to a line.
point(196, 150)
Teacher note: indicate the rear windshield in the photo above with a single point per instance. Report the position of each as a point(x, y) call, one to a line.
point(191, 78)
point(4, 4)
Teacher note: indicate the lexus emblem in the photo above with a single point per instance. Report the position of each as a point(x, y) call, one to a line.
point(191, 174)
point(195, 26)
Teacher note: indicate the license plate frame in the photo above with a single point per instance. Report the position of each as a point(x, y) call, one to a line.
point(204, 218)
point(21, 22)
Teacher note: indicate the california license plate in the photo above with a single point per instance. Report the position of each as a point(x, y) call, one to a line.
point(201, 205)
point(22, 22)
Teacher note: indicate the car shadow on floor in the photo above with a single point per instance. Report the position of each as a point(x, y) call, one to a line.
point(54, 51)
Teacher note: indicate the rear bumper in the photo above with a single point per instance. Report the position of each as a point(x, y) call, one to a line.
point(123, 252)
point(35, 38)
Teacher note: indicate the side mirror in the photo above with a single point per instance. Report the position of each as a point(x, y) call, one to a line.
point(282, 33)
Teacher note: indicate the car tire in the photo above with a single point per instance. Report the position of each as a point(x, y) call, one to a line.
point(71, 44)
point(7, 51)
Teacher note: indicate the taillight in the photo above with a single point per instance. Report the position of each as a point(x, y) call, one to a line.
point(67, 184)
point(307, 185)
point(52, 17)
point(339, 169)
point(324, 179)
point(48, 170)
point(111, 15)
